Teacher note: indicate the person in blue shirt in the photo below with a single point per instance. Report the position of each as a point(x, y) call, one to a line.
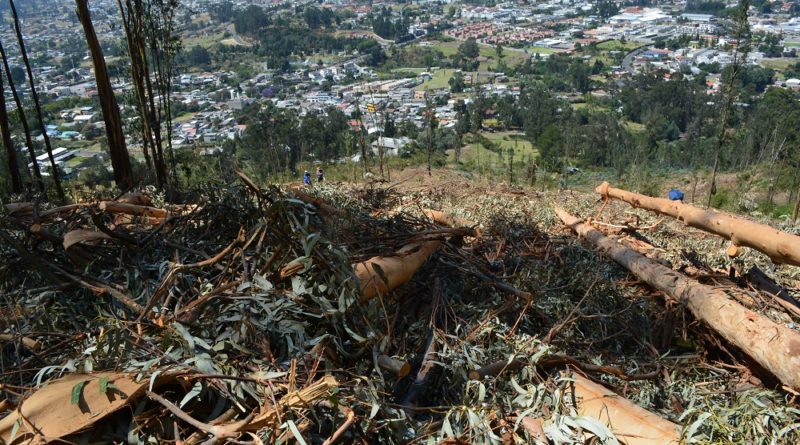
point(306, 178)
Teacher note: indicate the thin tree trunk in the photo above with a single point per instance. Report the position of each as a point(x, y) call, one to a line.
point(11, 152)
point(35, 95)
point(796, 208)
point(741, 29)
point(37, 174)
point(120, 161)
point(130, 27)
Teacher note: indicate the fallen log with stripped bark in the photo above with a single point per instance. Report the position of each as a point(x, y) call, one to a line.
point(381, 274)
point(629, 422)
point(781, 247)
point(773, 346)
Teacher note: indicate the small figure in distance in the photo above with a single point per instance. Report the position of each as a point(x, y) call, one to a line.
point(306, 178)
point(675, 195)
point(320, 176)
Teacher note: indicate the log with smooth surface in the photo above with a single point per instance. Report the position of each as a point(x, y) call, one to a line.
point(382, 274)
point(630, 423)
point(781, 247)
point(449, 220)
point(772, 345)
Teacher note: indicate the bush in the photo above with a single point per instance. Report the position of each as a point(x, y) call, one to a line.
point(722, 199)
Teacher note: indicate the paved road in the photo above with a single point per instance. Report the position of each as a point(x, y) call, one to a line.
point(627, 62)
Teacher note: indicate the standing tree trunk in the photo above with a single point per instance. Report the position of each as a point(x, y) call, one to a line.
point(739, 59)
point(134, 18)
point(36, 104)
point(37, 174)
point(120, 161)
point(796, 209)
point(132, 28)
point(11, 152)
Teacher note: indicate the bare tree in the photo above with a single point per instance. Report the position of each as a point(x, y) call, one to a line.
point(35, 95)
point(11, 152)
point(37, 174)
point(120, 161)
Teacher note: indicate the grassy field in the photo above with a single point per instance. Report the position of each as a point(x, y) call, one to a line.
point(779, 64)
point(634, 127)
point(540, 50)
point(617, 45)
point(476, 155)
point(203, 40)
point(440, 80)
point(486, 53)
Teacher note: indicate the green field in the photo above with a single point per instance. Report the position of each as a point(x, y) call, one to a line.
point(486, 53)
point(540, 50)
point(204, 40)
point(617, 45)
point(440, 80)
point(635, 127)
point(477, 155)
point(779, 64)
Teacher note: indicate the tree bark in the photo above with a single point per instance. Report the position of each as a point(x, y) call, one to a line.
point(631, 423)
point(11, 152)
point(120, 161)
point(37, 174)
point(379, 275)
point(772, 345)
point(781, 247)
point(132, 29)
point(35, 95)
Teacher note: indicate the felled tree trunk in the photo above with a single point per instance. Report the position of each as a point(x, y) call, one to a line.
point(382, 274)
point(781, 247)
point(120, 161)
point(774, 346)
point(631, 424)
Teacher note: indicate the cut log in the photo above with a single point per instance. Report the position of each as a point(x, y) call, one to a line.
point(774, 346)
point(81, 236)
point(132, 209)
point(28, 342)
point(19, 207)
point(317, 202)
point(632, 424)
point(382, 274)
point(781, 247)
point(397, 367)
point(449, 220)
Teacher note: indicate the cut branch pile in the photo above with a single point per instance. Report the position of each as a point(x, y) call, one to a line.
point(253, 315)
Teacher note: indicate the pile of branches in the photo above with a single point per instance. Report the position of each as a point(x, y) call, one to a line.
point(272, 315)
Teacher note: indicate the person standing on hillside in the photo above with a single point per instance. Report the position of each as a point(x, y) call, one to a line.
point(320, 175)
point(306, 178)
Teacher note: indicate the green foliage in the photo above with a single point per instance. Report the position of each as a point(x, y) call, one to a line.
point(723, 199)
point(250, 20)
